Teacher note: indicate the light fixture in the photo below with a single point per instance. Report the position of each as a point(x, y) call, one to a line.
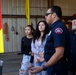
point(12, 29)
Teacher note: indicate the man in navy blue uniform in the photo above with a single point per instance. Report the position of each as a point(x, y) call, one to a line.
point(57, 44)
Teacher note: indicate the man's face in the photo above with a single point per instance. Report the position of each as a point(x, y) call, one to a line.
point(74, 24)
point(49, 17)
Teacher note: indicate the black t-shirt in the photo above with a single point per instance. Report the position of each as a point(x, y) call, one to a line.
point(26, 45)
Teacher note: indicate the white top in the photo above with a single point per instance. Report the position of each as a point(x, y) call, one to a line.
point(37, 47)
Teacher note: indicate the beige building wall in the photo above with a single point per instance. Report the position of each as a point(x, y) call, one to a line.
point(68, 6)
point(37, 7)
point(17, 7)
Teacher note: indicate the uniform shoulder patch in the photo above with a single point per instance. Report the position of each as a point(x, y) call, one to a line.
point(58, 30)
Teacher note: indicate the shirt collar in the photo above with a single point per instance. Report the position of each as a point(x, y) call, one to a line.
point(54, 24)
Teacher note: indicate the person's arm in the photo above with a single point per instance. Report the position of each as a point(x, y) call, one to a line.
point(22, 46)
point(33, 48)
point(31, 62)
point(32, 58)
point(59, 52)
point(55, 58)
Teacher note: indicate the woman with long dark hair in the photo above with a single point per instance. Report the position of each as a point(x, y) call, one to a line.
point(38, 44)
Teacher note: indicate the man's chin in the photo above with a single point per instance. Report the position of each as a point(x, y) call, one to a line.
point(48, 23)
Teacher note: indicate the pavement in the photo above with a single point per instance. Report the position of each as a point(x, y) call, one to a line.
point(11, 63)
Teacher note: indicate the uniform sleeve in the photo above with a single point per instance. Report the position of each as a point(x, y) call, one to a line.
point(33, 48)
point(58, 37)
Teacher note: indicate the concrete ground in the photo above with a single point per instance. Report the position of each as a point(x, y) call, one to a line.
point(11, 63)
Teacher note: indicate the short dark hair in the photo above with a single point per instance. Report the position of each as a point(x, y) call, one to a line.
point(57, 10)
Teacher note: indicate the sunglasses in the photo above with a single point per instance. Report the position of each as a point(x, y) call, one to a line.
point(48, 14)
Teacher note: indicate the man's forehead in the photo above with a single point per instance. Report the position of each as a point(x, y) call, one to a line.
point(49, 10)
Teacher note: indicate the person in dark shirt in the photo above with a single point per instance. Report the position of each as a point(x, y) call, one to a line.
point(26, 50)
point(57, 43)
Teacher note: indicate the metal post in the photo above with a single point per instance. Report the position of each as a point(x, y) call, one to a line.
point(1, 66)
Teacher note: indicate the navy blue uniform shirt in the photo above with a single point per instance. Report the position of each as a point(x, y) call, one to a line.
point(58, 36)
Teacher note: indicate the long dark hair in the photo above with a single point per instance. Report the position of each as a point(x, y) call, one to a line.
point(37, 32)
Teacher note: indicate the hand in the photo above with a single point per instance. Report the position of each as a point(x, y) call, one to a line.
point(41, 59)
point(32, 54)
point(41, 54)
point(35, 70)
point(30, 66)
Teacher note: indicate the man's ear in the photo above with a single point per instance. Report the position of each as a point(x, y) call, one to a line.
point(54, 15)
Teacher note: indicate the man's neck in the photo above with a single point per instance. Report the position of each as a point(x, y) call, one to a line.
point(55, 19)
